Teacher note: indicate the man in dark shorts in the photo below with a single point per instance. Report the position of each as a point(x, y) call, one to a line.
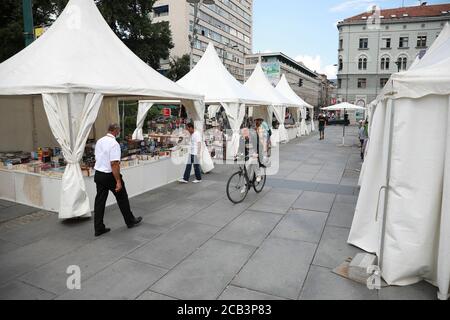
point(322, 122)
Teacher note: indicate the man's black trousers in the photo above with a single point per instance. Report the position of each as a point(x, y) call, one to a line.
point(105, 183)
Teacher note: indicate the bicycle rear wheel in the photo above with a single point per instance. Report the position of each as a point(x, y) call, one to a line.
point(259, 186)
point(237, 187)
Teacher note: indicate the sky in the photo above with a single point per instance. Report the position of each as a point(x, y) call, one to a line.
point(306, 30)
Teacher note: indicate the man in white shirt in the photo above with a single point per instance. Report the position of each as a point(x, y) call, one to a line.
point(108, 178)
point(195, 153)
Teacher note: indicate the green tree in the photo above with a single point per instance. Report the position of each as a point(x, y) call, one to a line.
point(129, 19)
point(179, 67)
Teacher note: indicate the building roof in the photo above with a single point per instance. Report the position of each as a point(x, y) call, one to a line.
point(423, 11)
point(298, 65)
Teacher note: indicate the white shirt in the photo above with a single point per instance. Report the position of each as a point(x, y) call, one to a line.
point(196, 138)
point(107, 150)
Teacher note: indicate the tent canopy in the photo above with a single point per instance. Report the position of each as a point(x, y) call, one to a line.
point(343, 106)
point(426, 77)
point(80, 53)
point(259, 83)
point(285, 89)
point(210, 78)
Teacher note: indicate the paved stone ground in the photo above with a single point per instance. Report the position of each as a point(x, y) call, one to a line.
point(194, 244)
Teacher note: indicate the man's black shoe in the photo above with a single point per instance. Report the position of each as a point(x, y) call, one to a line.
point(99, 233)
point(135, 223)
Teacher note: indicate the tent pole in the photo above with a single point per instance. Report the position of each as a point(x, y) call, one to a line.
point(387, 187)
point(69, 104)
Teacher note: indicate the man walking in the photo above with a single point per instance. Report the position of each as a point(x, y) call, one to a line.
point(108, 178)
point(195, 154)
point(322, 123)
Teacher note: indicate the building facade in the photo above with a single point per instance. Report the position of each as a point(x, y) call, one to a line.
point(374, 45)
point(228, 24)
point(303, 81)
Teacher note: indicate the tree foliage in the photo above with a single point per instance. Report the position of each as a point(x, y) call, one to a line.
point(129, 19)
point(179, 67)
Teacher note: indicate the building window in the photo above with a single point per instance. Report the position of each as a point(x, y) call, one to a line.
point(339, 84)
point(421, 41)
point(341, 44)
point(404, 42)
point(386, 43)
point(362, 83)
point(362, 63)
point(161, 11)
point(363, 43)
point(385, 63)
point(383, 82)
point(402, 63)
point(341, 64)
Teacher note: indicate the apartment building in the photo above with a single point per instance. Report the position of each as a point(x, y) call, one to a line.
point(374, 45)
point(226, 23)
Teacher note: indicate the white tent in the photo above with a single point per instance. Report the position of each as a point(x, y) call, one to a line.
point(77, 62)
point(210, 78)
point(285, 89)
point(259, 84)
point(403, 210)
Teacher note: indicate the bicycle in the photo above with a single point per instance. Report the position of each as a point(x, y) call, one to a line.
point(240, 183)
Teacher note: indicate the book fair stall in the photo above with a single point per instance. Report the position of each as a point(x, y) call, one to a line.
point(59, 95)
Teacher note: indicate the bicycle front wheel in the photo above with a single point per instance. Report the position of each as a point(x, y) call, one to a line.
point(237, 188)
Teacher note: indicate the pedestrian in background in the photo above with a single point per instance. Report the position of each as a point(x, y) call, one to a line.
point(108, 178)
point(322, 123)
point(194, 158)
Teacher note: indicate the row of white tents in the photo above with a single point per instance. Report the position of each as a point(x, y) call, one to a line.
point(79, 62)
point(403, 210)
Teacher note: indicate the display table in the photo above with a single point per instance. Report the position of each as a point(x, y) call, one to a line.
point(292, 132)
point(43, 191)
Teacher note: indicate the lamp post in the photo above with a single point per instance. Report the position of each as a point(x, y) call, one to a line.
point(193, 37)
point(27, 7)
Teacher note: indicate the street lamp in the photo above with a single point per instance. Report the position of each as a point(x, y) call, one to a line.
point(197, 4)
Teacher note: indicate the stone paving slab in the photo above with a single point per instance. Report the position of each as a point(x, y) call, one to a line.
point(149, 295)
point(341, 215)
point(250, 228)
point(314, 201)
point(276, 202)
point(220, 213)
point(236, 293)
point(18, 290)
point(5, 203)
point(322, 284)
point(278, 268)
point(301, 225)
point(419, 291)
point(125, 279)
point(6, 246)
point(333, 248)
point(15, 211)
point(91, 258)
point(176, 212)
point(25, 259)
point(172, 247)
point(197, 277)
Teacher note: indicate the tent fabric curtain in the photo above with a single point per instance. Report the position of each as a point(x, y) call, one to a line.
point(417, 233)
point(144, 108)
point(443, 264)
point(280, 114)
point(311, 115)
point(71, 117)
point(303, 126)
point(195, 110)
point(213, 110)
point(236, 114)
